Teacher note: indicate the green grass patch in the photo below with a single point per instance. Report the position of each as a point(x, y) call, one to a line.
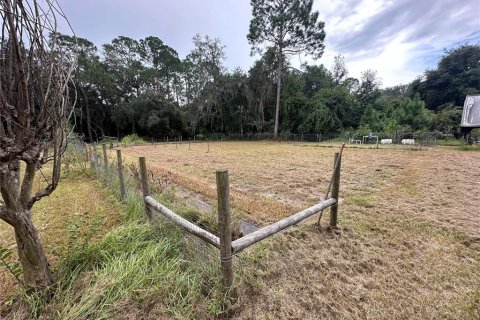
point(138, 264)
point(450, 142)
point(133, 139)
point(138, 269)
point(474, 147)
point(366, 201)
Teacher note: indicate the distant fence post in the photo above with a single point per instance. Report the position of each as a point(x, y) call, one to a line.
point(120, 174)
point(144, 183)
point(335, 191)
point(94, 157)
point(225, 232)
point(105, 162)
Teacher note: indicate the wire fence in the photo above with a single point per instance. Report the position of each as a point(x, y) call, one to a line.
point(124, 181)
point(367, 140)
point(208, 244)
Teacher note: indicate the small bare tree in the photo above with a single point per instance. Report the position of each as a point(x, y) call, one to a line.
point(34, 112)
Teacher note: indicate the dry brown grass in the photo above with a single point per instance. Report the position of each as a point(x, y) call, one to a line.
point(410, 240)
point(81, 201)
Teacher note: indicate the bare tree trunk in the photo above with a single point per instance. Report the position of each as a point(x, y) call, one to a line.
point(89, 123)
point(35, 266)
point(87, 111)
point(262, 112)
point(279, 90)
point(16, 212)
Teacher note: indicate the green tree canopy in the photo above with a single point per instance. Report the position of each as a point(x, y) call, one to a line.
point(290, 27)
point(457, 75)
point(413, 113)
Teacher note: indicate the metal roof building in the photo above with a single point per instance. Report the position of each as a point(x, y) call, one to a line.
point(471, 112)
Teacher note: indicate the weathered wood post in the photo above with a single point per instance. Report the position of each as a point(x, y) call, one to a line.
point(335, 190)
point(121, 180)
point(92, 156)
point(224, 228)
point(144, 183)
point(105, 162)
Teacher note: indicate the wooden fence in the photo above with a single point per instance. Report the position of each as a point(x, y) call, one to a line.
point(223, 241)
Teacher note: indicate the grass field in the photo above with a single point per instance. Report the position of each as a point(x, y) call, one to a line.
point(408, 246)
point(410, 239)
point(108, 261)
point(71, 211)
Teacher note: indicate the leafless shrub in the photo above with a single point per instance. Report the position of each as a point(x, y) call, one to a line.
point(34, 112)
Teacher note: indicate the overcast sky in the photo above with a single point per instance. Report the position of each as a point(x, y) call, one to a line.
point(398, 38)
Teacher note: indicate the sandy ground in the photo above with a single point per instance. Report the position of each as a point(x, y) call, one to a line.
point(409, 244)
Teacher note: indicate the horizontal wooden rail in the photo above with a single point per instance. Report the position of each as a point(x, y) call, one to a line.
point(190, 227)
point(265, 232)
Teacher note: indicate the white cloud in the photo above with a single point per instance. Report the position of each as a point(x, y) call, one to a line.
point(399, 39)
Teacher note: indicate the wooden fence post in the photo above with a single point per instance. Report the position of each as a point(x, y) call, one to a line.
point(144, 183)
point(89, 154)
point(94, 157)
point(224, 228)
point(335, 191)
point(105, 162)
point(120, 174)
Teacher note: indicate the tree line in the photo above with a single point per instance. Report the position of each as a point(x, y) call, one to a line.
point(144, 87)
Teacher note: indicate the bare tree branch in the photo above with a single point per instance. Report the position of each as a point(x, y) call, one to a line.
point(34, 99)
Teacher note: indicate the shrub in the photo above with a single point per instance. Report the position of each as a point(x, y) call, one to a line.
point(133, 139)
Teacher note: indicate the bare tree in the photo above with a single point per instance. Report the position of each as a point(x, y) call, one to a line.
point(339, 70)
point(34, 112)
